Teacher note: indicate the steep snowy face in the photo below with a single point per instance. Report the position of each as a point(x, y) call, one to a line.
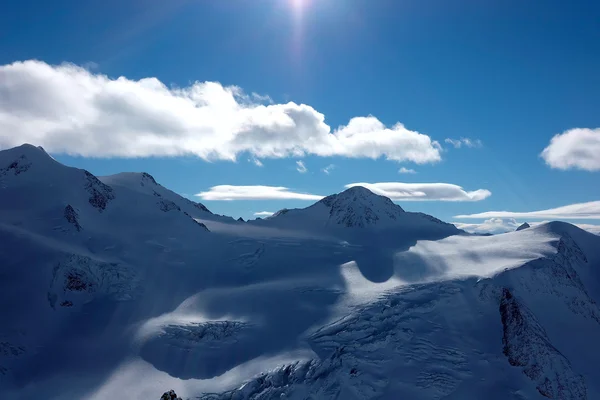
point(31, 181)
point(143, 182)
point(26, 163)
point(359, 207)
point(356, 214)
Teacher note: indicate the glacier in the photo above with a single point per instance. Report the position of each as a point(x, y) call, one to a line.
point(116, 286)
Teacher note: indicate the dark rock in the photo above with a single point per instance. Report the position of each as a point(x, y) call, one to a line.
point(75, 281)
point(170, 395)
point(147, 178)
point(18, 166)
point(167, 205)
point(72, 217)
point(100, 193)
point(527, 346)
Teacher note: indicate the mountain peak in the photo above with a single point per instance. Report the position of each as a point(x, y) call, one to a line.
point(17, 160)
point(26, 150)
point(357, 206)
point(524, 225)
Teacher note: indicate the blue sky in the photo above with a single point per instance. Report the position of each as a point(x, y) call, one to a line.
point(508, 75)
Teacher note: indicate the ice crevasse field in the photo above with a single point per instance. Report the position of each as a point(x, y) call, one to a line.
point(115, 286)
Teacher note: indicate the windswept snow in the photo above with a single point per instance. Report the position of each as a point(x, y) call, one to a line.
point(117, 285)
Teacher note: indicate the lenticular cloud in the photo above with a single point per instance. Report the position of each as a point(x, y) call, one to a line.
point(68, 109)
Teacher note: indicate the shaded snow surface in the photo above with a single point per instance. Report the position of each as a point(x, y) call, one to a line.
point(116, 285)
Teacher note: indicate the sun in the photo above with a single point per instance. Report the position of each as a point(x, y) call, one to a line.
point(298, 5)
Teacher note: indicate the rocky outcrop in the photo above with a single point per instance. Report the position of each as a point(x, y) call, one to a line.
point(147, 179)
point(557, 276)
point(527, 346)
point(17, 167)
point(359, 207)
point(100, 193)
point(167, 205)
point(79, 279)
point(170, 395)
point(524, 225)
point(72, 217)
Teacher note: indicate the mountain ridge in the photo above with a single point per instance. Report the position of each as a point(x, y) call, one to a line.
point(112, 285)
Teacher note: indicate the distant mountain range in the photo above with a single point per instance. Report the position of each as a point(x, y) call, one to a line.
point(116, 286)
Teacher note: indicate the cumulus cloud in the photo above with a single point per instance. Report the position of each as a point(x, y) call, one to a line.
point(406, 171)
point(231, 192)
point(576, 148)
point(458, 143)
point(424, 191)
point(300, 167)
point(263, 214)
point(590, 210)
point(492, 225)
point(327, 170)
point(69, 109)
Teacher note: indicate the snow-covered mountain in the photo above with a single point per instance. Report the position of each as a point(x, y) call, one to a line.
point(356, 207)
point(359, 216)
point(110, 285)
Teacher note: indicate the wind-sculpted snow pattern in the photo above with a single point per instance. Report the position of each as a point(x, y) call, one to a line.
point(215, 331)
point(118, 285)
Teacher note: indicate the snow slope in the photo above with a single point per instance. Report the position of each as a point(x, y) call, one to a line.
point(111, 286)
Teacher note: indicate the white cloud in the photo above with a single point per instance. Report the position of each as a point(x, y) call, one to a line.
point(263, 214)
point(424, 191)
point(406, 171)
point(492, 225)
point(576, 148)
point(595, 229)
point(503, 225)
point(231, 192)
point(255, 161)
point(300, 167)
point(328, 169)
point(68, 109)
point(262, 98)
point(458, 143)
point(590, 210)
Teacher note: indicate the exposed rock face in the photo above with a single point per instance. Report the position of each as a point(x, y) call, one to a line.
point(17, 167)
point(557, 276)
point(100, 193)
point(72, 217)
point(170, 395)
point(147, 179)
point(167, 205)
point(524, 225)
point(78, 279)
point(526, 345)
point(359, 207)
